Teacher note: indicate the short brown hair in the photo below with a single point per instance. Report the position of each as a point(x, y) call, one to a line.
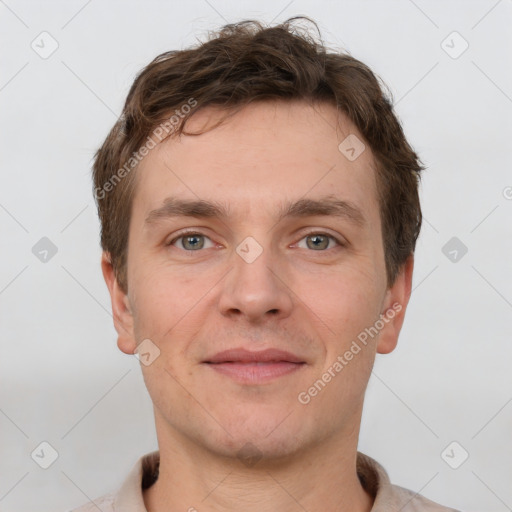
point(248, 62)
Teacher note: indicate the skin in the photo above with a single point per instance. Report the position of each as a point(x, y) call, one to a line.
point(313, 302)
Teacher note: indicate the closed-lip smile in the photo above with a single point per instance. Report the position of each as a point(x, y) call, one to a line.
point(255, 367)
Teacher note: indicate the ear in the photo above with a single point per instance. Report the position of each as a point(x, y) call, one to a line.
point(395, 304)
point(121, 310)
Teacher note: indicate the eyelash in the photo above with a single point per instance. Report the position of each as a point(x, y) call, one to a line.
point(183, 234)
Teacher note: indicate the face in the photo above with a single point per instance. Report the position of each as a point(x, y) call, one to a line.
point(255, 264)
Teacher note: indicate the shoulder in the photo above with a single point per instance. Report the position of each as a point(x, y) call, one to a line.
point(389, 497)
point(104, 503)
point(409, 501)
point(130, 495)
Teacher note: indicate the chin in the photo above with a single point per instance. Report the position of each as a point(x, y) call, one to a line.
point(258, 445)
point(253, 452)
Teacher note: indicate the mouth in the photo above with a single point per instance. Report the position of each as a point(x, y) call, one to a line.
point(248, 367)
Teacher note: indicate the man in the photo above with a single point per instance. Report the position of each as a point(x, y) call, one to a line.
point(259, 212)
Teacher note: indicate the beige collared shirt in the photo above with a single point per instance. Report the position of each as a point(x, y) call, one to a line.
point(374, 478)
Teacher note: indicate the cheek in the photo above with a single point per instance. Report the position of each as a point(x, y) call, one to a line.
point(346, 305)
point(348, 297)
point(155, 306)
point(170, 306)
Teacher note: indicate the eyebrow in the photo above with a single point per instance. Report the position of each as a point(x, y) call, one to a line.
point(325, 206)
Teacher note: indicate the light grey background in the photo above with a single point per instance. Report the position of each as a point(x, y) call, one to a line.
point(64, 381)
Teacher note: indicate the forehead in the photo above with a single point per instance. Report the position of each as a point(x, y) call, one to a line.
point(266, 153)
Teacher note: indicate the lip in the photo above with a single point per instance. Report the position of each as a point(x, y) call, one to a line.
point(250, 367)
point(242, 355)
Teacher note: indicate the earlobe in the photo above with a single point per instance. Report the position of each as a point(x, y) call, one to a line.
point(121, 309)
point(395, 305)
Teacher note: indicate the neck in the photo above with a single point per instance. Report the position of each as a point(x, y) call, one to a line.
point(324, 477)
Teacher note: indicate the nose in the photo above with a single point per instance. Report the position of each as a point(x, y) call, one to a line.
point(255, 289)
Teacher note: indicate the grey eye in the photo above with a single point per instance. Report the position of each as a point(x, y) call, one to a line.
point(317, 242)
point(191, 242)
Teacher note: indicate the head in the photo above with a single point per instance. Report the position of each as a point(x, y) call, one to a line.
point(257, 192)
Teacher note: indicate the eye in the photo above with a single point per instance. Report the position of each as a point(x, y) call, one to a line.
point(319, 241)
point(192, 242)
